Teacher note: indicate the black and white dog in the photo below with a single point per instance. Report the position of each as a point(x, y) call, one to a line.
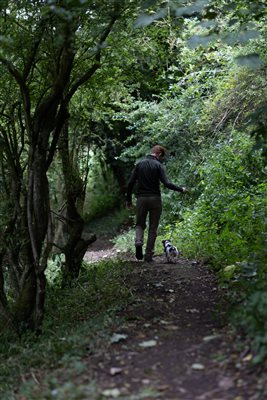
point(171, 251)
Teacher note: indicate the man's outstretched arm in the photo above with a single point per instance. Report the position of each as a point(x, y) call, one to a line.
point(168, 184)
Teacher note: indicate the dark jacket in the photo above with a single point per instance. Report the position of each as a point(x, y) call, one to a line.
point(148, 173)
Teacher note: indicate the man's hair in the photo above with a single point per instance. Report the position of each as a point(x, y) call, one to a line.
point(160, 150)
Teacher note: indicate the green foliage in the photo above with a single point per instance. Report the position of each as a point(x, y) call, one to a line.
point(109, 225)
point(253, 320)
point(102, 190)
point(78, 321)
point(173, 118)
point(227, 225)
point(53, 272)
point(246, 285)
point(227, 222)
point(125, 241)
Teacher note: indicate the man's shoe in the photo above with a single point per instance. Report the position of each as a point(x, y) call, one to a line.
point(139, 252)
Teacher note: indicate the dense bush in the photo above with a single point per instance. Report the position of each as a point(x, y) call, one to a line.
point(227, 225)
point(227, 222)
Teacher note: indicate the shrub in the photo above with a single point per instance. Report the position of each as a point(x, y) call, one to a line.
point(228, 221)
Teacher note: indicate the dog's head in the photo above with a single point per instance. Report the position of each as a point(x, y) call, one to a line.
point(166, 242)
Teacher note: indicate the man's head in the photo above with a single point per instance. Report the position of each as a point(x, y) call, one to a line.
point(158, 151)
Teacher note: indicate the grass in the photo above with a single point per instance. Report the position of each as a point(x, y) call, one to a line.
point(79, 321)
point(109, 224)
point(125, 241)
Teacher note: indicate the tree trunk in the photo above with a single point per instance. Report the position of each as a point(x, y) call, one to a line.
point(25, 304)
point(74, 257)
point(3, 298)
point(76, 245)
point(44, 114)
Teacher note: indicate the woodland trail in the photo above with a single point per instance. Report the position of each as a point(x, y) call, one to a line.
point(173, 343)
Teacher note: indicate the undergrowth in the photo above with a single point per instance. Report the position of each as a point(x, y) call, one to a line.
point(78, 323)
point(227, 225)
point(109, 224)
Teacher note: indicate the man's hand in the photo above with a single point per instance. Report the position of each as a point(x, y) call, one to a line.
point(129, 205)
point(184, 190)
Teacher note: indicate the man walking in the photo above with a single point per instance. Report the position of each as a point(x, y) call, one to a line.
point(148, 173)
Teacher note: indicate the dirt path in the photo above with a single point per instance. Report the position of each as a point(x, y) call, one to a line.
point(174, 344)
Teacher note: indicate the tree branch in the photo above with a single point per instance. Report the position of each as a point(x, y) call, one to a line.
point(84, 78)
point(23, 89)
point(33, 51)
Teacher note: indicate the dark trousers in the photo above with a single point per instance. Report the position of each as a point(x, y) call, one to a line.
point(151, 207)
